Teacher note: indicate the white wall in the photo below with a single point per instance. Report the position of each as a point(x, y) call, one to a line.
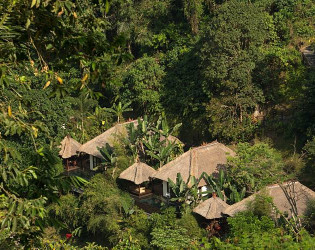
point(91, 162)
point(203, 189)
point(166, 189)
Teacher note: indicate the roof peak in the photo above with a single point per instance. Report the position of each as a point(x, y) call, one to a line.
point(205, 146)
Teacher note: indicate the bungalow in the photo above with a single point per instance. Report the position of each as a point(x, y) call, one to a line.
point(211, 208)
point(290, 198)
point(110, 136)
point(209, 158)
point(137, 174)
point(68, 152)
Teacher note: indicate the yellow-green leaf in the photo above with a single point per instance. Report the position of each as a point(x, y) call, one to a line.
point(33, 3)
point(106, 6)
point(46, 85)
point(35, 131)
point(59, 80)
point(9, 111)
point(85, 78)
point(28, 23)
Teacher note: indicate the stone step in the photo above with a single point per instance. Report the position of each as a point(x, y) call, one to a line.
point(309, 56)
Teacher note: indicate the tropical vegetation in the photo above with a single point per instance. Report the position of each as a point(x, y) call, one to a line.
point(199, 70)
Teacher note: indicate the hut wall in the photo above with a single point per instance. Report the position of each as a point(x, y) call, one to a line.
point(157, 187)
point(91, 162)
point(166, 189)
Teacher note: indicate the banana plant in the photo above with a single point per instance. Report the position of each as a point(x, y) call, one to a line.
point(137, 136)
point(119, 109)
point(131, 140)
point(216, 185)
point(163, 153)
point(223, 187)
point(101, 118)
point(109, 157)
point(195, 194)
point(236, 196)
point(143, 126)
point(164, 129)
point(186, 191)
point(180, 189)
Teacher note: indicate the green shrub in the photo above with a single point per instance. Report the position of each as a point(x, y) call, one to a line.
point(261, 205)
point(66, 211)
point(189, 222)
point(310, 215)
point(137, 229)
point(103, 208)
point(256, 166)
point(170, 238)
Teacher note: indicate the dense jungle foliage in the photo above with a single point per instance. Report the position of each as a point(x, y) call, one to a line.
point(201, 70)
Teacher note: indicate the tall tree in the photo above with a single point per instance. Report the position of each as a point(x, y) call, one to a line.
point(231, 47)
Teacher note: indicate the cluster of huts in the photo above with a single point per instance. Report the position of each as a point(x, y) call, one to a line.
point(143, 180)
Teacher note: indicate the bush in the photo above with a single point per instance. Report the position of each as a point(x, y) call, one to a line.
point(189, 222)
point(66, 211)
point(137, 229)
point(103, 208)
point(256, 166)
point(310, 215)
point(170, 237)
point(247, 231)
point(261, 206)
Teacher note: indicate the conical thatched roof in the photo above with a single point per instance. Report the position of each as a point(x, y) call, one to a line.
point(68, 147)
point(138, 173)
point(281, 194)
point(211, 208)
point(110, 136)
point(209, 158)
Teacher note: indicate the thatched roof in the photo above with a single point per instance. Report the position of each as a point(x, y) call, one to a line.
point(110, 136)
point(211, 208)
point(282, 195)
point(68, 147)
point(209, 158)
point(138, 173)
point(172, 139)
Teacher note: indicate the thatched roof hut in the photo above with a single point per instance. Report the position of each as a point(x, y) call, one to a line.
point(286, 197)
point(138, 173)
point(211, 208)
point(69, 147)
point(110, 136)
point(209, 159)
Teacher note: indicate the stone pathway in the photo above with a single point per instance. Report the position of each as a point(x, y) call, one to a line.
point(309, 56)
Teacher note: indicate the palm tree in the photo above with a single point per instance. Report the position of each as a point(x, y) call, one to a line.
point(119, 109)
